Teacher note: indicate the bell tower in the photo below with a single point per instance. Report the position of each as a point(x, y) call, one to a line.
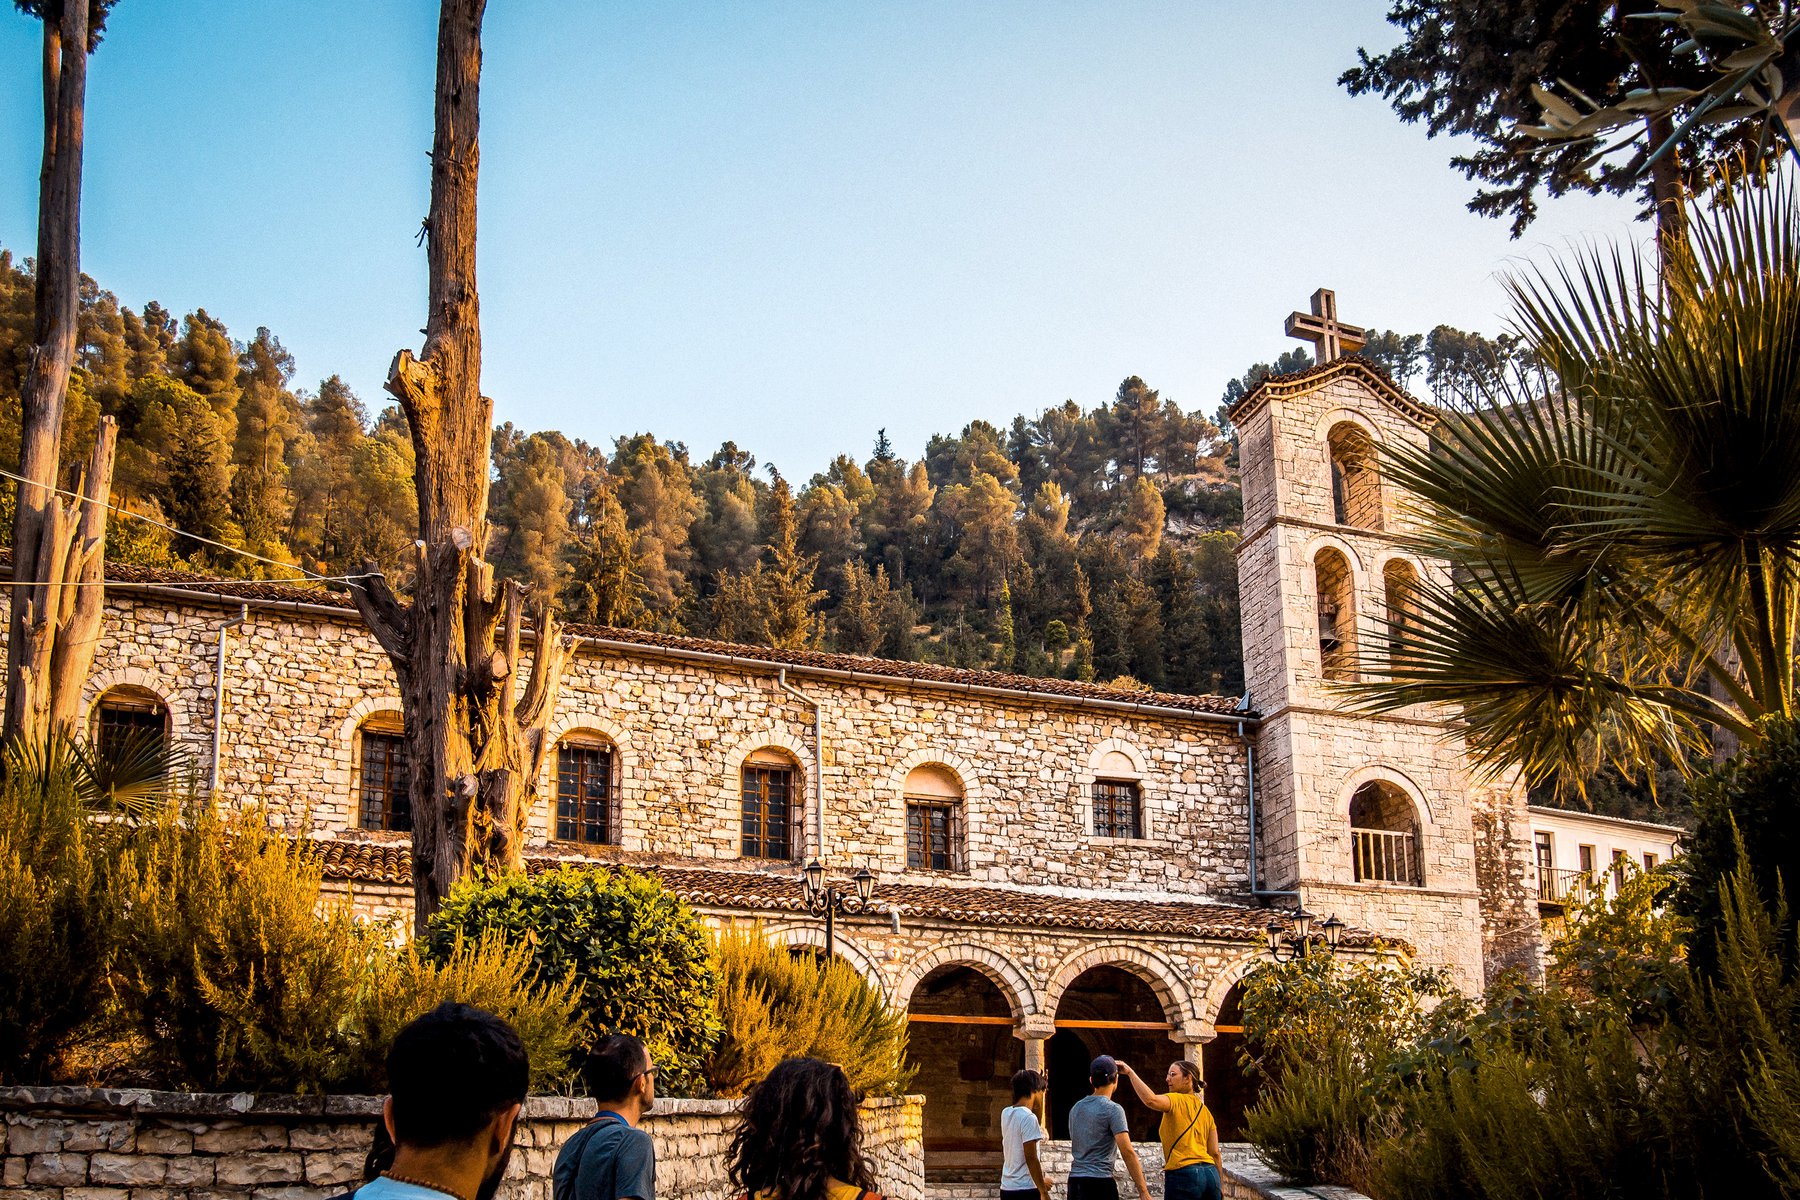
point(1371, 817)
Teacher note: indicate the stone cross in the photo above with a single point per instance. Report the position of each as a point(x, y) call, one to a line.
point(1331, 338)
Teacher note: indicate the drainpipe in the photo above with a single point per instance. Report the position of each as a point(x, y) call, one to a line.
point(818, 760)
point(219, 696)
point(1256, 891)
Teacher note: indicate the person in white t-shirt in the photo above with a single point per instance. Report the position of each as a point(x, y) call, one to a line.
point(1021, 1129)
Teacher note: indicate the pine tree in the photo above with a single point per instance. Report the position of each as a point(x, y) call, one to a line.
point(792, 603)
point(1009, 650)
point(605, 586)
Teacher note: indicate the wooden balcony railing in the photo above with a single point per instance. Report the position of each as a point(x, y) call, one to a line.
point(1383, 856)
point(1558, 885)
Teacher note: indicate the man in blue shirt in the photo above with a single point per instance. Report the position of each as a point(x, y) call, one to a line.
point(456, 1080)
point(611, 1158)
point(1097, 1130)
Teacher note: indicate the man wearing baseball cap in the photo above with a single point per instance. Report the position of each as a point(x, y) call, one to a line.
point(1097, 1130)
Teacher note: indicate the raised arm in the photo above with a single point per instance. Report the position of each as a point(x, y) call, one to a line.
point(1132, 1165)
point(1151, 1100)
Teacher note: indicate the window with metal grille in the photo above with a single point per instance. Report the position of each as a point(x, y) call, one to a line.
point(933, 836)
point(123, 722)
point(385, 802)
point(767, 795)
point(586, 790)
point(1117, 812)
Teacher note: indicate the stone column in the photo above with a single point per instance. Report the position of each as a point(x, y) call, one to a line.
point(1189, 1037)
point(1034, 1029)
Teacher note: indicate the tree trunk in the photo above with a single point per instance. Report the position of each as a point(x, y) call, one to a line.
point(475, 745)
point(1667, 192)
point(58, 547)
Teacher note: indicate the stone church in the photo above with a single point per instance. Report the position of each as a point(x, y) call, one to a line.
point(1060, 869)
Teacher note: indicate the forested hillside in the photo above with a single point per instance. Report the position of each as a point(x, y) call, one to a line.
point(1093, 542)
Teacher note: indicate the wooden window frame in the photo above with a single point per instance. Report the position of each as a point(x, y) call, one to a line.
point(1544, 846)
point(921, 847)
point(1106, 794)
point(582, 817)
point(385, 804)
point(119, 712)
point(757, 811)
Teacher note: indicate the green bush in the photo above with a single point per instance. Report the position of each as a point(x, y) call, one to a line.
point(1755, 796)
point(230, 975)
point(1316, 1125)
point(487, 974)
point(775, 1004)
point(60, 930)
point(643, 962)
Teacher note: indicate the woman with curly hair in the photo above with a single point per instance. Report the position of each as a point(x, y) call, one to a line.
point(799, 1138)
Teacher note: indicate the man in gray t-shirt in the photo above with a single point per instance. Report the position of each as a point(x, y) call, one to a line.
point(1097, 1129)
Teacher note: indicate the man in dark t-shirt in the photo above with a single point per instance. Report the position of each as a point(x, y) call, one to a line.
point(611, 1158)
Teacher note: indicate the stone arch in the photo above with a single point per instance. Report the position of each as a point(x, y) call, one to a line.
point(772, 739)
point(1335, 612)
point(934, 756)
point(800, 802)
point(1097, 757)
point(360, 712)
point(811, 935)
point(1105, 761)
point(575, 724)
point(1226, 978)
point(1000, 970)
point(1400, 579)
point(136, 679)
point(934, 837)
point(1355, 483)
point(1171, 991)
point(1387, 823)
point(1383, 773)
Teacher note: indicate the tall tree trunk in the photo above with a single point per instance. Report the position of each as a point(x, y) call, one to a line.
point(475, 743)
point(58, 547)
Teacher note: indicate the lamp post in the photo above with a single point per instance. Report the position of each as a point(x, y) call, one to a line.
point(1281, 949)
point(823, 900)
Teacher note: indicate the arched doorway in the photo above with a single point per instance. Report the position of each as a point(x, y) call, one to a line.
point(1109, 1010)
point(960, 1038)
point(1228, 1090)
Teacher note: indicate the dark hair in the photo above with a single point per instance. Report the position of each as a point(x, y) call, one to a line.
point(1027, 1082)
point(452, 1071)
point(1190, 1070)
point(798, 1129)
point(613, 1065)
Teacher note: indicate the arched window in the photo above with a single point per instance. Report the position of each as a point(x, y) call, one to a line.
point(1118, 797)
point(770, 783)
point(1400, 583)
point(1384, 835)
point(385, 802)
point(934, 819)
point(587, 790)
point(1337, 614)
point(1355, 487)
point(130, 720)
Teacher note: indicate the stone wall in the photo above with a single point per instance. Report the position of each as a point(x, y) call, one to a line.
point(87, 1144)
point(1243, 1176)
point(299, 684)
point(1512, 935)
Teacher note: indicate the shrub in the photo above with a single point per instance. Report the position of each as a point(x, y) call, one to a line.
point(487, 974)
point(1753, 796)
point(1627, 950)
point(775, 1004)
point(59, 933)
point(642, 960)
point(230, 975)
point(1317, 1124)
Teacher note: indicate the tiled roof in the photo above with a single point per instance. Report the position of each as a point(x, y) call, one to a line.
point(1373, 374)
point(875, 669)
point(711, 885)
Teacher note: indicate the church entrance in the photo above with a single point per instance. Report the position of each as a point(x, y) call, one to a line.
point(1108, 1010)
point(960, 1037)
point(1228, 1090)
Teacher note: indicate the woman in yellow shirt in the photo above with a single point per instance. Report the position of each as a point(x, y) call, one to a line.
point(1190, 1139)
point(798, 1137)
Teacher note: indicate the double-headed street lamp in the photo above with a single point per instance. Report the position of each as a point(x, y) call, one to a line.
point(1281, 949)
point(828, 901)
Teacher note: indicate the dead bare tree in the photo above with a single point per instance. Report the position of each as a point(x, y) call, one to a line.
point(475, 741)
point(58, 545)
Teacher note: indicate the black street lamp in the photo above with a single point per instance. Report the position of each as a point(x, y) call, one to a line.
point(828, 901)
point(1282, 950)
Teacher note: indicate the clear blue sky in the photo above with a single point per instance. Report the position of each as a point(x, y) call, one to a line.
point(782, 223)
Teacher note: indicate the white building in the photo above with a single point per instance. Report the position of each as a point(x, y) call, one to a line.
point(1574, 853)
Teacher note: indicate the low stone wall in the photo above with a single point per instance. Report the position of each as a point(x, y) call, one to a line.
point(91, 1144)
point(1244, 1177)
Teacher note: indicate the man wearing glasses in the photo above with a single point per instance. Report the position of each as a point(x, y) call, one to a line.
point(611, 1158)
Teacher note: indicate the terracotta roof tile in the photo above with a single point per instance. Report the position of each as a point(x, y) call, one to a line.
point(710, 885)
point(875, 669)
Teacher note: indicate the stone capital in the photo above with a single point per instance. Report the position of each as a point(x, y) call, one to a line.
point(1193, 1031)
point(1035, 1027)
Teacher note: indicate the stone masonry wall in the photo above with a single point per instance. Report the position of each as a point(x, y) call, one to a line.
point(1512, 936)
point(85, 1144)
point(298, 686)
